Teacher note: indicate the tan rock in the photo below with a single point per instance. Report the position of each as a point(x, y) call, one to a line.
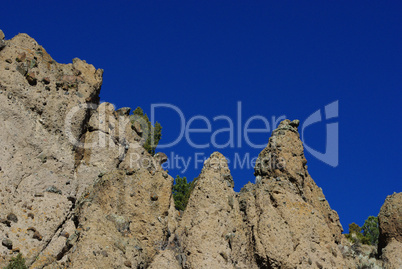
point(166, 259)
point(211, 232)
point(42, 117)
point(390, 220)
point(280, 222)
point(117, 215)
point(77, 189)
point(2, 42)
point(282, 163)
point(390, 225)
point(391, 255)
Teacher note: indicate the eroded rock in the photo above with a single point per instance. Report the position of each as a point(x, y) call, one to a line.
point(78, 190)
point(390, 225)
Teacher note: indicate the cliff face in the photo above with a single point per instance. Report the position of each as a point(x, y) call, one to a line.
point(58, 143)
point(77, 190)
point(38, 176)
point(390, 224)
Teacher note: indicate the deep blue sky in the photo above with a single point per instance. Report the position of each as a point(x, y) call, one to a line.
point(278, 58)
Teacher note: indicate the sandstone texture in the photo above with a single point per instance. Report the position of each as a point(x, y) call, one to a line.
point(78, 190)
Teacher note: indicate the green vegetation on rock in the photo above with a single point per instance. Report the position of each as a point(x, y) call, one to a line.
point(17, 263)
point(151, 134)
point(367, 234)
point(181, 192)
point(370, 230)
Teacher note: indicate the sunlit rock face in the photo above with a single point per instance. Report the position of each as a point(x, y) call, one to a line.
point(61, 149)
point(77, 189)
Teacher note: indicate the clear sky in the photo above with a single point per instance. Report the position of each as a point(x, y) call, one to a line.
point(277, 58)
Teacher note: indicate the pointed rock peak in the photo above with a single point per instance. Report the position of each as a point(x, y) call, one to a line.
point(25, 41)
point(286, 125)
point(284, 153)
point(217, 164)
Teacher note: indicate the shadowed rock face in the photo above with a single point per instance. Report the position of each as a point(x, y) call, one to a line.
point(390, 224)
point(77, 190)
point(390, 219)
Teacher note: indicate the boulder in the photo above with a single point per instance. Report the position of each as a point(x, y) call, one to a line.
point(390, 220)
point(390, 226)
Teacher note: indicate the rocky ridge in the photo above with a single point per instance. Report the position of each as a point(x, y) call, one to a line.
point(77, 190)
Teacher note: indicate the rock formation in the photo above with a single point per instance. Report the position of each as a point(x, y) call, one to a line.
point(390, 223)
point(61, 150)
point(77, 189)
point(293, 225)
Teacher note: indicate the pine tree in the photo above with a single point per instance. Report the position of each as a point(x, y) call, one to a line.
point(151, 134)
point(370, 230)
point(367, 234)
point(181, 192)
